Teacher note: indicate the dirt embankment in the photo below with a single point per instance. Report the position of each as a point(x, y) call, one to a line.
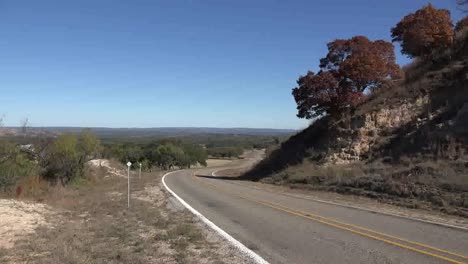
point(89, 222)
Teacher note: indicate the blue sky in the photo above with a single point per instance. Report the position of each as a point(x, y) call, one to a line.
point(150, 63)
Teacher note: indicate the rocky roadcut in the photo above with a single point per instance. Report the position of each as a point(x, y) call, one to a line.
point(91, 224)
point(405, 145)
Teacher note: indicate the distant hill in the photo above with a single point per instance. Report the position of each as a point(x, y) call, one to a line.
point(157, 131)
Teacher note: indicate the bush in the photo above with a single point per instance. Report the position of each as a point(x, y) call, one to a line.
point(66, 156)
point(14, 165)
point(63, 161)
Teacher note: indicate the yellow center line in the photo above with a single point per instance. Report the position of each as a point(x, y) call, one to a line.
point(342, 225)
point(369, 230)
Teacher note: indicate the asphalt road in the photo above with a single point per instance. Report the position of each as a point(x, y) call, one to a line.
point(285, 229)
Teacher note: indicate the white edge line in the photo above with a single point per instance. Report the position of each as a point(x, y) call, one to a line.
point(361, 208)
point(241, 247)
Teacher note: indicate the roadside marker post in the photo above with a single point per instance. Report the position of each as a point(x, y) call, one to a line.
point(128, 172)
point(139, 175)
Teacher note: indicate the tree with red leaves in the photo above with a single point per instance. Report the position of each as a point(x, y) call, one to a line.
point(351, 67)
point(317, 94)
point(424, 31)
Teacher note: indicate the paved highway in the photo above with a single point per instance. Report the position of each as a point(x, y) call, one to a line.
point(285, 229)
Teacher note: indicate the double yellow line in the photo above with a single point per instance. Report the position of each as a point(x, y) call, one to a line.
point(366, 232)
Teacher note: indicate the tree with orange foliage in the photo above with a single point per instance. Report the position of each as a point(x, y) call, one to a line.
point(351, 67)
point(424, 31)
point(317, 94)
point(361, 63)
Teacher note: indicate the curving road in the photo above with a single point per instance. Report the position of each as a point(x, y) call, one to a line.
point(286, 229)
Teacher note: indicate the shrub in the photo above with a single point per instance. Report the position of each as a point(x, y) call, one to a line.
point(66, 156)
point(14, 165)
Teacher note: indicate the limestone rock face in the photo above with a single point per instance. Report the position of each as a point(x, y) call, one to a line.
point(365, 130)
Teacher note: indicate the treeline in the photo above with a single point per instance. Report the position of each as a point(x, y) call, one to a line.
point(62, 159)
point(59, 160)
point(234, 145)
point(225, 152)
point(216, 145)
point(163, 154)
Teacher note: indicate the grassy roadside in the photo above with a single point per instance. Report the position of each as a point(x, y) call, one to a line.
point(437, 186)
point(91, 224)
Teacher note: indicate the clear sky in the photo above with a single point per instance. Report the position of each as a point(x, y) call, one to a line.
point(150, 63)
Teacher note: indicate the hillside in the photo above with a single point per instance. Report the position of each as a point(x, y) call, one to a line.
point(406, 144)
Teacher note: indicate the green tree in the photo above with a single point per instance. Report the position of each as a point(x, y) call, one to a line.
point(196, 154)
point(63, 161)
point(14, 164)
point(164, 156)
point(132, 153)
point(89, 145)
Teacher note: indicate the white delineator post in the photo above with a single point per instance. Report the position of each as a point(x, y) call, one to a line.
point(128, 172)
point(139, 175)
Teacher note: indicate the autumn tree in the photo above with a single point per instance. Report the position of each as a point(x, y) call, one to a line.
point(351, 67)
point(317, 94)
point(424, 31)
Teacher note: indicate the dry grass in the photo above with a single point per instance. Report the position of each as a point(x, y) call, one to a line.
point(436, 185)
point(93, 225)
point(19, 219)
point(217, 162)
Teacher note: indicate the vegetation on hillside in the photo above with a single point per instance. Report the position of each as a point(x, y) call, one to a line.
point(165, 154)
point(58, 160)
point(399, 137)
point(27, 160)
point(351, 68)
point(14, 165)
point(216, 145)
